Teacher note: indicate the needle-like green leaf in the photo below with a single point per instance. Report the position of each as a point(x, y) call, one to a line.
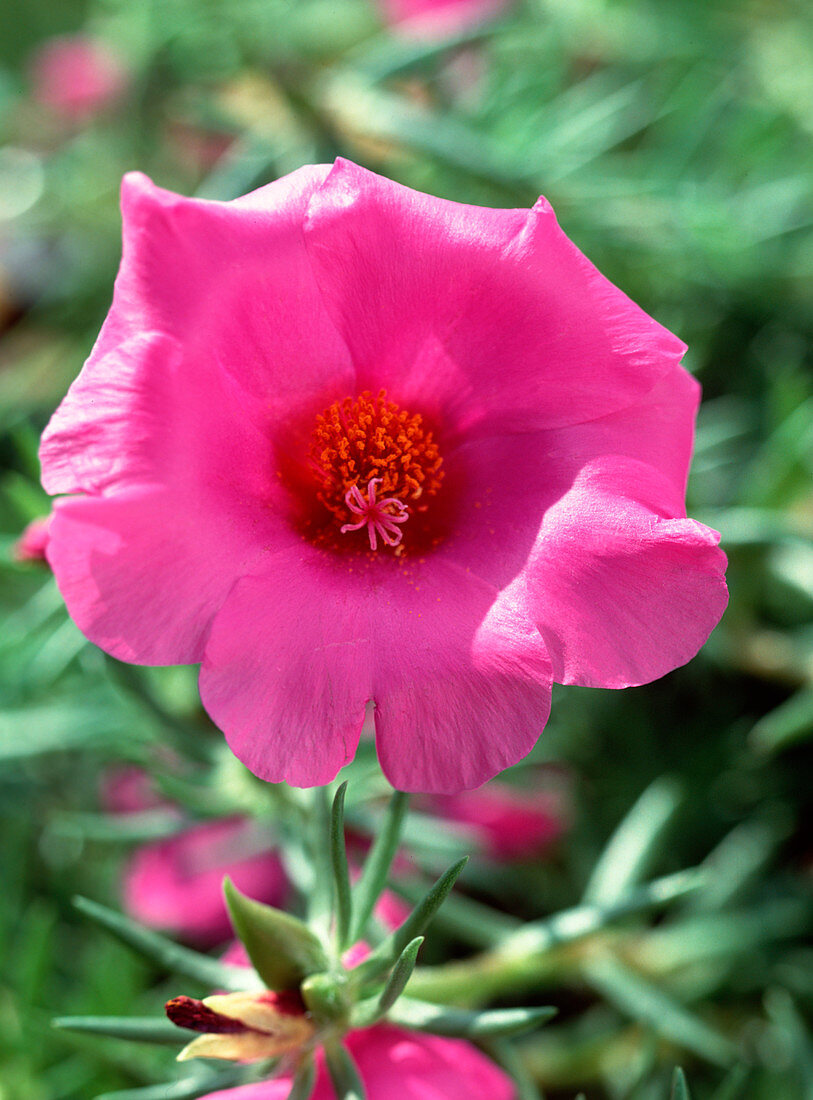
point(341, 875)
point(680, 1089)
point(377, 865)
point(634, 843)
point(304, 1080)
point(180, 960)
point(459, 1023)
point(401, 973)
point(343, 1073)
point(386, 954)
point(144, 1029)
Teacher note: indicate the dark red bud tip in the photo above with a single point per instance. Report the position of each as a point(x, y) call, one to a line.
point(194, 1015)
point(288, 1002)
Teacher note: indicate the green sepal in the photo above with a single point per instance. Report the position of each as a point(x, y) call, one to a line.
point(341, 876)
point(168, 954)
point(463, 1024)
point(326, 998)
point(282, 948)
point(377, 865)
point(388, 951)
point(680, 1088)
point(347, 1083)
point(143, 1029)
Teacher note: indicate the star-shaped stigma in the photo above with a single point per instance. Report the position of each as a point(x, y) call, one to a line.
point(380, 517)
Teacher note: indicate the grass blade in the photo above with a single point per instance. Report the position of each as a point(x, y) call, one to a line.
point(651, 1006)
point(630, 850)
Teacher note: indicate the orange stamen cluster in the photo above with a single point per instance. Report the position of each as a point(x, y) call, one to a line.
point(358, 439)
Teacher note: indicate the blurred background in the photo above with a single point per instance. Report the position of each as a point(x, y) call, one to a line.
point(674, 139)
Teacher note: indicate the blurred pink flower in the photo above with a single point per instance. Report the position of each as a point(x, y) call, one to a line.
point(243, 493)
point(400, 1065)
point(77, 76)
point(177, 884)
point(438, 18)
point(509, 823)
point(128, 790)
point(31, 544)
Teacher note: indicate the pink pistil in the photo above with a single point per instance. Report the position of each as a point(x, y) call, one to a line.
point(373, 515)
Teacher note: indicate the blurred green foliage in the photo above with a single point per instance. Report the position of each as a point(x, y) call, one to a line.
point(674, 140)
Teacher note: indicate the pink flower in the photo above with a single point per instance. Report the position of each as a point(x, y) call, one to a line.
point(536, 425)
point(177, 884)
point(32, 543)
point(129, 790)
point(77, 76)
point(438, 18)
point(400, 1065)
point(509, 823)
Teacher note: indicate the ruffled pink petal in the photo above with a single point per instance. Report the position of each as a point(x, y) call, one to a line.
point(584, 529)
point(286, 673)
point(491, 319)
point(143, 573)
point(621, 590)
point(177, 884)
point(461, 684)
point(621, 595)
point(401, 1065)
point(503, 486)
point(204, 335)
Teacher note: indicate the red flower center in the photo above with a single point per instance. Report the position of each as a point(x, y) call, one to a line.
point(376, 465)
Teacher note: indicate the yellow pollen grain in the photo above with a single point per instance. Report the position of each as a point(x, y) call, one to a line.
point(360, 438)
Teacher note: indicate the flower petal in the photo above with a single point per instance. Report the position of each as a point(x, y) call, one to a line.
point(143, 572)
point(400, 1065)
point(502, 486)
point(396, 1063)
point(243, 341)
point(493, 319)
point(461, 683)
point(621, 595)
point(286, 673)
point(462, 689)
